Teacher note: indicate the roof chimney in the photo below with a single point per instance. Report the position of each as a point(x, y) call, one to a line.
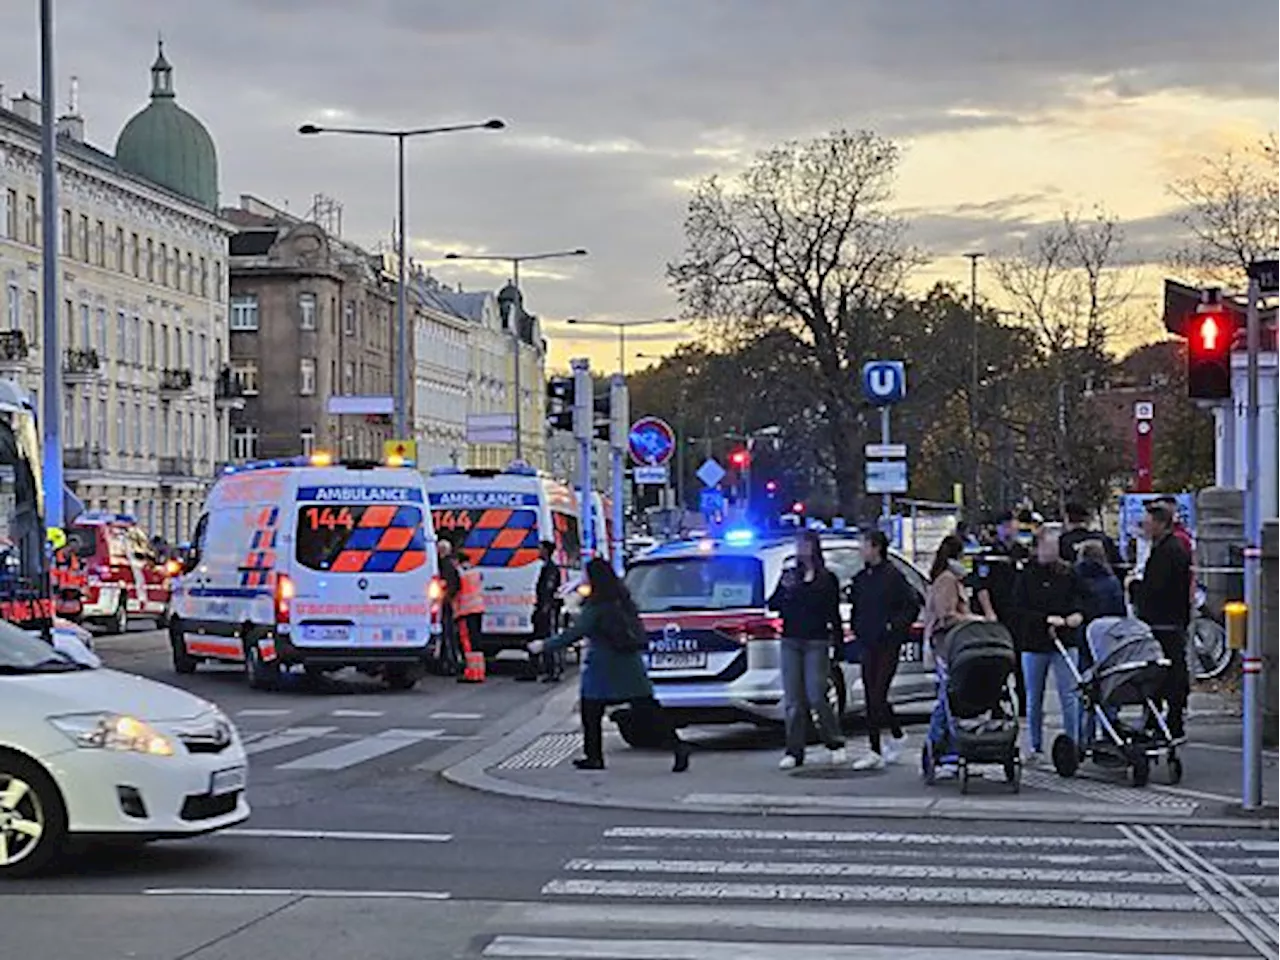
point(71, 124)
point(27, 107)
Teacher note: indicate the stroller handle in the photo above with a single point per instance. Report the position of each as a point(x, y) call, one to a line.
point(1062, 651)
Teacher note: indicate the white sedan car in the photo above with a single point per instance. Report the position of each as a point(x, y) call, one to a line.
point(94, 754)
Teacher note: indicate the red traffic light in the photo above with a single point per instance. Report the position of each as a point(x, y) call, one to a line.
point(740, 459)
point(1209, 338)
point(797, 507)
point(1209, 333)
point(771, 486)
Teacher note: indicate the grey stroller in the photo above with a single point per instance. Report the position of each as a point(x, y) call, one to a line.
point(1129, 668)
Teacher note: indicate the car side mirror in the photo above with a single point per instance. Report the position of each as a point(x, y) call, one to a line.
point(190, 560)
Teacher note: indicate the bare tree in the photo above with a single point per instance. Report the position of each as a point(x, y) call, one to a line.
point(1071, 286)
point(802, 239)
point(1232, 213)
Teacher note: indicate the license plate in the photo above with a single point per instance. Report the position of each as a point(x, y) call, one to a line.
point(326, 633)
point(677, 661)
point(228, 781)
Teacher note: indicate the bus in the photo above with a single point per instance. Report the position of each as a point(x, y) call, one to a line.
point(25, 599)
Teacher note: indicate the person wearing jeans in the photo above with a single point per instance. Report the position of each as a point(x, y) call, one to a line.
point(1049, 602)
point(808, 600)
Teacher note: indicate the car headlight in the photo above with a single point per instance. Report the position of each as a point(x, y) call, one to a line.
point(113, 731)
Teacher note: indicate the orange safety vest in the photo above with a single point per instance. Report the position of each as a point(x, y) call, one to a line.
point(470, 598)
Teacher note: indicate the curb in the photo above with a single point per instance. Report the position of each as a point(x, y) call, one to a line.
point(471, 773)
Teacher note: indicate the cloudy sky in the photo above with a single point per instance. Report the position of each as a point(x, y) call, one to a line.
point(1010, 110)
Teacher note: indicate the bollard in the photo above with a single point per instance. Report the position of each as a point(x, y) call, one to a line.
point(1237, 616)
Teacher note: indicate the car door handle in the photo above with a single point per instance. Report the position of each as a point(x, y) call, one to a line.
point(379, 596)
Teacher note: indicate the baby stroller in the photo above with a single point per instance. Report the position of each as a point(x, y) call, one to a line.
point(980, 699)
point(1129, 668)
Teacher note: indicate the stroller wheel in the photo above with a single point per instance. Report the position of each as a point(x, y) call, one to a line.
point(1140, 772)
point(928, 768)
point(1175, 769)
point(1066, 757)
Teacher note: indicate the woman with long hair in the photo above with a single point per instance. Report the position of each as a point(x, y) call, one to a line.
point(613, 669)
point(808, 600)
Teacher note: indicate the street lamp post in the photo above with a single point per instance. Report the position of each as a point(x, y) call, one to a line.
point(973, 259)
point(621, 326)
point(51, 382)
point(402, 329)
point(515, 260)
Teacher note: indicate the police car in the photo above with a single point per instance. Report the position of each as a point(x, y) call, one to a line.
point(306, 562)
point(714, 648)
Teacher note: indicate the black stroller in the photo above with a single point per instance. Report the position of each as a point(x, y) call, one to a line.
point(1129, 668)
point(981, 704)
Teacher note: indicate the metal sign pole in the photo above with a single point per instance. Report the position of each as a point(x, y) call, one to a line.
point(1251, 788)
point(619, 422)
point(584, 430)
point(886, 500)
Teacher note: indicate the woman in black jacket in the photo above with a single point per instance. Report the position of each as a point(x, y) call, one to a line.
point(808, 599)
point(1048, 599)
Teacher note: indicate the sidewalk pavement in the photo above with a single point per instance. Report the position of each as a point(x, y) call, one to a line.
point(735, 771)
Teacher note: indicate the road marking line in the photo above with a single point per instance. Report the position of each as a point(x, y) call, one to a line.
point(570, 948)
point(457, 716)
point(365, 714)
point(359, 751)
point(735, 835)
point(286, 738)
point(292, 892)
point(1151, 843)
point(1200, 928)
point(886, 870)
point(878, 893)
point(262, 712)
point(363, 836)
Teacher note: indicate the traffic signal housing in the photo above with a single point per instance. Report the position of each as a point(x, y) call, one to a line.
point(560, 399)
point(1209, 338)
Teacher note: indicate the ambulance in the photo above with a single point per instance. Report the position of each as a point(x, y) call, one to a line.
point(310, 563)
point(498, 518)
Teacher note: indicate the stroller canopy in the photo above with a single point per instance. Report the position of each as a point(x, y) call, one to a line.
point(1129, 663)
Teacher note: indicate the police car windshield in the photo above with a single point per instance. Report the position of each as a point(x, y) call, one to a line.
point(697, 583)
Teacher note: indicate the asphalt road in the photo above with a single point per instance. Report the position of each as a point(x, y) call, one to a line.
point(358, 849)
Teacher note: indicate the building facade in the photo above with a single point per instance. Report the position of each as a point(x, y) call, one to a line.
point(441, 367)
point(312, 318)
point(142, 285)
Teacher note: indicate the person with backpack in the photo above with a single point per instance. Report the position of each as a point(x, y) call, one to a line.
point(613, 670)
point(883, 608)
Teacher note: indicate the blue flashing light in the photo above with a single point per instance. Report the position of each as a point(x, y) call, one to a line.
point(444, 472)
point(739, 537)
point(520, 469)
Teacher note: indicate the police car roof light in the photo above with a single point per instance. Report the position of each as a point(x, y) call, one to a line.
point(444, 472)
point(739, 537)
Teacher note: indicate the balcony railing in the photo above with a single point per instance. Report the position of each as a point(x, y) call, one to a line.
point(180, 466)
point(13, 347)
point(175, 381)
point(82, 362)
point(227, 391)
point(82, 458)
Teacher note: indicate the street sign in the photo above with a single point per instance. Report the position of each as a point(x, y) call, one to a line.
point(711, 502)
point(1267, 273)
point(651, 476)
point(651, 441)
point(491, 428)
point(884, 382)
point(710, 473)
point(886, 476)
point(400, 451)
point(1144, 410)
point(885, 451)
point(360, 406)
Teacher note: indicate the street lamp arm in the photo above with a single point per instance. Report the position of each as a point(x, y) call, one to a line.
point(312, 128)
point(620, 324)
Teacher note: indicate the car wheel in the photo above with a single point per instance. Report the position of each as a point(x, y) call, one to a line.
point(119, 622)
point(403, 676)
point(33, 818)
point(262, 675)
point(183, 662)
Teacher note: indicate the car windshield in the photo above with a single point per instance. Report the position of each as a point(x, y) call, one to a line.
point(361, 538)
point(697, 583)
point(21, 652)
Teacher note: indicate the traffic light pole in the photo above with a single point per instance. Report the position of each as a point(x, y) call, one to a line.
point(1251, 788)
point(584, 431)
point(618, 417)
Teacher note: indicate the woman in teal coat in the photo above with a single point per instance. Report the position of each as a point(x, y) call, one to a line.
point(613, 670)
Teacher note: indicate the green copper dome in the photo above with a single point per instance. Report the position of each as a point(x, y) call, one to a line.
point(168, 146)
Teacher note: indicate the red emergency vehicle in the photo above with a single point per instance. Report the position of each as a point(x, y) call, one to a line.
point(123, 577)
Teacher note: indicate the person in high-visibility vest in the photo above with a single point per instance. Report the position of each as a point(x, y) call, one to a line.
point(468, 607)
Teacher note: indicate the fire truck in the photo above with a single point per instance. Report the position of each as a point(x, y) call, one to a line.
point(123, 578)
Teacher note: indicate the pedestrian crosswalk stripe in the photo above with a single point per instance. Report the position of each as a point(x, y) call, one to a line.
point(360, 751)
point(735, 835)
point(444, 715)
point(361, 836)
point(576, 948)
point(359, 714)
point(286, 738)
point(1081, 899)
point(891, 871)
point(263, 712)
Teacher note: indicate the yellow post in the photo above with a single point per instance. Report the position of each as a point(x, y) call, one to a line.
point(1237, 615)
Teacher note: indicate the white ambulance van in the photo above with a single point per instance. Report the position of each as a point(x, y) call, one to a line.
point(314, 564)
point(498, 518)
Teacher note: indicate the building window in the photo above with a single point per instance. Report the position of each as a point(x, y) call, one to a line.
point(349, 319)
point(136, 330)
point(244, 312)
point(163, 264)
point(102, 426)
point(86, 329)
point(122, 337)
point(203, 451)
point(307, 311)
point(134, 253)
point(102, 332)
point(31, 223)
point(119, 254)
point(204, 277)
point(83, 238)
point(64, 230)
point(151, 425)
point(191, 274)
point(151, 260)
point(151, 343)
point(99, 244)
point(137, 429)
point(244, 443)
point(15, 307)
point(307, 440)
point(120, 430)
point(348, 377)
point(204, 355)
point(245, 373)
point(306, 376)
point(217, 280)
point(164, 346)
point(11, 214)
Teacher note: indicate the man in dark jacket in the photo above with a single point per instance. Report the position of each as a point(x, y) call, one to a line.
point(1076, 534)
point(995, 574)
point(884, 607)
point(1161, 598)
point(546, 616)
point(450, 659)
